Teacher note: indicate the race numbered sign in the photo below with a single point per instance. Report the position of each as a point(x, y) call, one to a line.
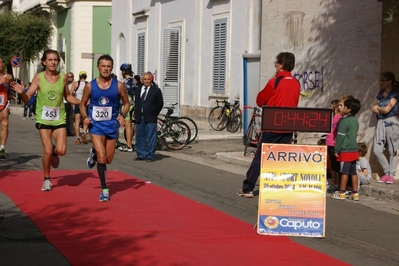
point(292, 193)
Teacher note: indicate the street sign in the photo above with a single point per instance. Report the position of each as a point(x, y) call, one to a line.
point(90, 55)
point(15, 61)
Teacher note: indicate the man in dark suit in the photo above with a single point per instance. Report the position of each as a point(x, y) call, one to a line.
point(148, 105)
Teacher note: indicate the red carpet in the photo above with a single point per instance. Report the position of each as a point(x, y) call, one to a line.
point(142, 224)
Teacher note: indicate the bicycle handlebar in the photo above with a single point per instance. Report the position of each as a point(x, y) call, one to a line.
point(256, 109)
point(226, 103)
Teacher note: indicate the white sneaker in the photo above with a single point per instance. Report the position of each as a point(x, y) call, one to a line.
point(47, 185)
point(241, 193)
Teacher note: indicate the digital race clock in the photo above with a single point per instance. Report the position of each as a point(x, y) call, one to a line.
point(296, 119)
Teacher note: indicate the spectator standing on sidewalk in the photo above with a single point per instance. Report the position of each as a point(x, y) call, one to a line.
point(148, 105)
point(69, 107)
point(104, 118)
point(29, 106)
point(283, 90)
point(137, 81)
point(128, 81)
point(333, 184)
point(77, 91)
point(51, 87)
point(346, 148)
point(386, 108)
point(5, 96)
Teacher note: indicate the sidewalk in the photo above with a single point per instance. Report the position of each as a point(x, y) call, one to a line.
point(379, 191)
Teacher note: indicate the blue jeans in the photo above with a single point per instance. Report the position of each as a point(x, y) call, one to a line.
point(254, 169)
point(146, 139)
point(28, 107)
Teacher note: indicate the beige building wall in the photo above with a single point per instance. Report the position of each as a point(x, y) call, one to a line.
point(337, 45)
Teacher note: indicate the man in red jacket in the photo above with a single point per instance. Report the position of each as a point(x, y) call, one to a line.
point(282, 90)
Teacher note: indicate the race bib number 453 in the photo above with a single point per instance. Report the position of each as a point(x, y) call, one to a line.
point(102, 113)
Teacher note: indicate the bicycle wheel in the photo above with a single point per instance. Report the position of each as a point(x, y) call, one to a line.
point(251, 137)
point(234, 123)
point(217, 118)
point(159, 143)
point(176, 135)
point(192, 125)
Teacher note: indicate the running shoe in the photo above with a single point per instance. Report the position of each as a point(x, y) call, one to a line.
point(2, 154)
point(121, 148)
point(354, 196)
point(47, 185)
point(91, 161)
point(390, 180)
point(383, 179)
point(128, 149)
point(338, 196)
point(104, 195)
point(241, 193)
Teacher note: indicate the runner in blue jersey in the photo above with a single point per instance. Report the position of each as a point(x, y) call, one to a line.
point(104, 117)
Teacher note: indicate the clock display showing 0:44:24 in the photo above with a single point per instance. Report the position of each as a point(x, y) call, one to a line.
point(296, 119)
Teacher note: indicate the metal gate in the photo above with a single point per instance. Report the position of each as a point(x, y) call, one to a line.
point(171, 68)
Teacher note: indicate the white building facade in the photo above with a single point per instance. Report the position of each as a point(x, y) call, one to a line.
point(194, 48)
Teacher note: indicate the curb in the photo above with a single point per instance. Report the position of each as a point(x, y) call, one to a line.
point(19, 110)
point(236, 158)
point(380, 193)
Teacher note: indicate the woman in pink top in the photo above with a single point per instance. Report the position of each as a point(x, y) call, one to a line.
point(330, 142)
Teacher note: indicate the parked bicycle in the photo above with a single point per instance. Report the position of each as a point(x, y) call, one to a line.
point(174, 134)
point(226, 116)
point(251, 137)
point(190, 122)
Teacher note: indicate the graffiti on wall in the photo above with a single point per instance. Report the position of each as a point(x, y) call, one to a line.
point(311, 80)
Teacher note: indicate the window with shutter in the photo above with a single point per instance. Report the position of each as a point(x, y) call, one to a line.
point(219, 56)
point(171, 55)
point(140, 53)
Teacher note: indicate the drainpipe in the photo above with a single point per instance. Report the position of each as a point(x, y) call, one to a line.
point(254, 45)
point(245, 93)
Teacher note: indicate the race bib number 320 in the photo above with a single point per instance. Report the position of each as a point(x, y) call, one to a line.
point(50, 113)
point(102, 113)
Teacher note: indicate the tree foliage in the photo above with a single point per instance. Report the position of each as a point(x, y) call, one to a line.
point(24, 35)
point(393, 7)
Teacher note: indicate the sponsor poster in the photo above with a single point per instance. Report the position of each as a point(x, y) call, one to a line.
point(292, 192)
